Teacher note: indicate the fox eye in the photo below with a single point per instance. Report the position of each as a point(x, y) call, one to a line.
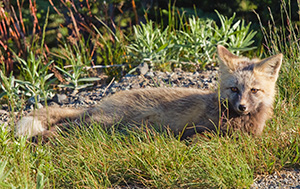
point(254, 90)
point(234, 89)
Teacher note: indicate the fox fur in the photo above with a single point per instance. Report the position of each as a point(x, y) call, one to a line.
point(248, 87)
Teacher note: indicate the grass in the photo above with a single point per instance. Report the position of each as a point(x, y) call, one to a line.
point(149, 159)
point(157, 160)
point(95, 158)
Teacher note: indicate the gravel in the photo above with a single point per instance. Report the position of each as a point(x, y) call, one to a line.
point(289, 178)
point(204, 80)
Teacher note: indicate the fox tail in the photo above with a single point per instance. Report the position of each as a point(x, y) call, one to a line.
point(41, 120)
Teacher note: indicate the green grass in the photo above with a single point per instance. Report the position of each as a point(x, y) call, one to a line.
point(156, 160)
point(149, 159)
point(23, 165)
point(94, 158)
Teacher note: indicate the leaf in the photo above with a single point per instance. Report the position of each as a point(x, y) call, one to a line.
point(162, 47)
point(65, 72)
point(89, 79)
point(84, 86)
point(48, 76)
point(46, 66)
point(67, 85)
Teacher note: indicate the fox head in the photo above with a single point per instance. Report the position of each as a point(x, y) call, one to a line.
point(247, 84)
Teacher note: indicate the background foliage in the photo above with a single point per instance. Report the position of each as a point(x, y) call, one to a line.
point(64, 39)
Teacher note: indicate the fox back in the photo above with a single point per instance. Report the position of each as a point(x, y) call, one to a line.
point(247, 85)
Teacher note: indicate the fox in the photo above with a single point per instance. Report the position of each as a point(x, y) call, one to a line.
point(243, 101)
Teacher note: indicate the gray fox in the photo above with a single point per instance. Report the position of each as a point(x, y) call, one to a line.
point(248, 87)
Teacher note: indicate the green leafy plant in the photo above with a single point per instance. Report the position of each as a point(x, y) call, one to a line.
point(236, 35)
point(151, 44)
point(11, 93)
point(195, 42)
point(198, 41)
point(11, 89)
point(75, 77)
point(36, 79)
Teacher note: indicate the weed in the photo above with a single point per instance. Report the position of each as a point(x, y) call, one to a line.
point(37, 80)
point(195, 42)
point(77, 61)
point(11, 90)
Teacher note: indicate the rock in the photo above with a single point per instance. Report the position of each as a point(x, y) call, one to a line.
point(135, 86)
point(149, 75)
point(60, 98)
point(3, 112)
point(142, 69)
point(52, 103)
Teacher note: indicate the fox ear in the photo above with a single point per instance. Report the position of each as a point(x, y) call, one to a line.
point(226, 58)
point(270, 65)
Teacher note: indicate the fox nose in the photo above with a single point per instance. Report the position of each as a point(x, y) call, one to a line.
point(242, 107)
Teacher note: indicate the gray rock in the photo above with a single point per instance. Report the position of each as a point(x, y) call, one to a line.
point(60, 98)
point(135, 86)
point(142, 69)
point(3, 112)
point(149, 75)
